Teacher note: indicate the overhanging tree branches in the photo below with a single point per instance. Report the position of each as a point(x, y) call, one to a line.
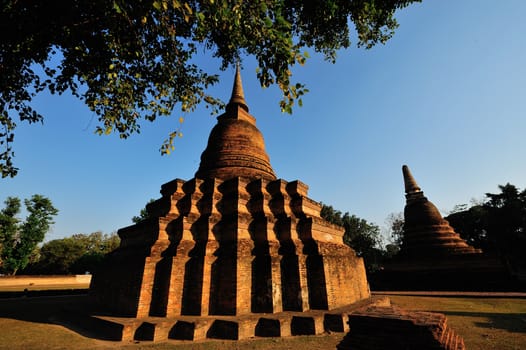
point(133, 60)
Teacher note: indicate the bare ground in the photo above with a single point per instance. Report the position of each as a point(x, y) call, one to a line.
point(485, 322)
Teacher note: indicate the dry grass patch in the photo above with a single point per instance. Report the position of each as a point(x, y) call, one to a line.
point(485, 323)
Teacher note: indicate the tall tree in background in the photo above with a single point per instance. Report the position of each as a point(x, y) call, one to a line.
point(395, 224)
point(498, 224)
point(362, 236)
point(8, 227)
point(506, 225)
point(135, 60)
point(471, 223)
point(18, 239)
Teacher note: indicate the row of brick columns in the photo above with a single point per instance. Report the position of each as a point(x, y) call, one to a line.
point(243, 286)
point(229, 255)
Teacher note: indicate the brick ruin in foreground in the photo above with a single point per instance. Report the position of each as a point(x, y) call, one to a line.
point(233, 241)
point(433, 256)
point(389, 327)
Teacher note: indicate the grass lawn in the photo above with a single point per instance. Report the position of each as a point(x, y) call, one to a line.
point(485, 323)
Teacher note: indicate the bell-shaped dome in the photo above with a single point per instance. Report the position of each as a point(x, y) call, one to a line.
point(421, 212)
point(236, 147)
point(426, 233)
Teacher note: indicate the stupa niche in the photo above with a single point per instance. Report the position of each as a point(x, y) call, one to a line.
point(232, 241)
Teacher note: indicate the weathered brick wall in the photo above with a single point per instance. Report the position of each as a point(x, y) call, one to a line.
point(231, 248)
point(348, 282)
point(116, 287)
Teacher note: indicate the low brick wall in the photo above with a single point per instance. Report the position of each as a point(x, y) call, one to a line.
point(14, 281)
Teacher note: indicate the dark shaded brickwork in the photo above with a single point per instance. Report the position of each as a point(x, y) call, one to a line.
point(379, 328)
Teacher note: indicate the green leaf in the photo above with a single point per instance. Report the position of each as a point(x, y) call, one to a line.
point(116, 7)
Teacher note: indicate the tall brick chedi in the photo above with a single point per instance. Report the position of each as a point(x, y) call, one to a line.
point(233, 240)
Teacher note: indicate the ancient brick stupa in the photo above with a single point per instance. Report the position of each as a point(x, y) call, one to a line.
point(433, 256)
point(233, 241)
point(426, 233)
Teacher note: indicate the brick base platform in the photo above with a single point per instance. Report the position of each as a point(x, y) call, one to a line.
point(216, 327)
point(396, 329)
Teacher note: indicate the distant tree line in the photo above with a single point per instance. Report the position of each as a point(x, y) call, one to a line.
point(361, 235)
point(20, 250)
point(77, 254)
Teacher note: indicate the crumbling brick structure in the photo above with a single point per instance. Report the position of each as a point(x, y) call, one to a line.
point(379, 328)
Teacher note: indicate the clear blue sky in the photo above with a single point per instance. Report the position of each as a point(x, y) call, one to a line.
point(446, 96)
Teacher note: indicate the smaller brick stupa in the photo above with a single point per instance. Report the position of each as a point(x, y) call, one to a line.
point(426, 234)
point(433, 256)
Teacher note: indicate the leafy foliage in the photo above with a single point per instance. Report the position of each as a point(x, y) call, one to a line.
point(395, 223)
point(362, 236)
point(18, 240)
point(143, 214)
point(498, 224)
point(471, 224)
point(135, 60)
point(77, 254)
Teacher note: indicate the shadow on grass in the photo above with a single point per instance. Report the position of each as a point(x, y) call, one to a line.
point(71, 312)
point(511, 322)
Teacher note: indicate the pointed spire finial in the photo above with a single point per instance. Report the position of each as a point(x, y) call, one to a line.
point(410, 184)
point(238, 96)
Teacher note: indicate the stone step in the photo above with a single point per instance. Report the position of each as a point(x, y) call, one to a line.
point(312, 322)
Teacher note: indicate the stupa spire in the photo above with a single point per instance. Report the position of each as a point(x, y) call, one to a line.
point(411, 187)
point(235, 146)
point(238, 95)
